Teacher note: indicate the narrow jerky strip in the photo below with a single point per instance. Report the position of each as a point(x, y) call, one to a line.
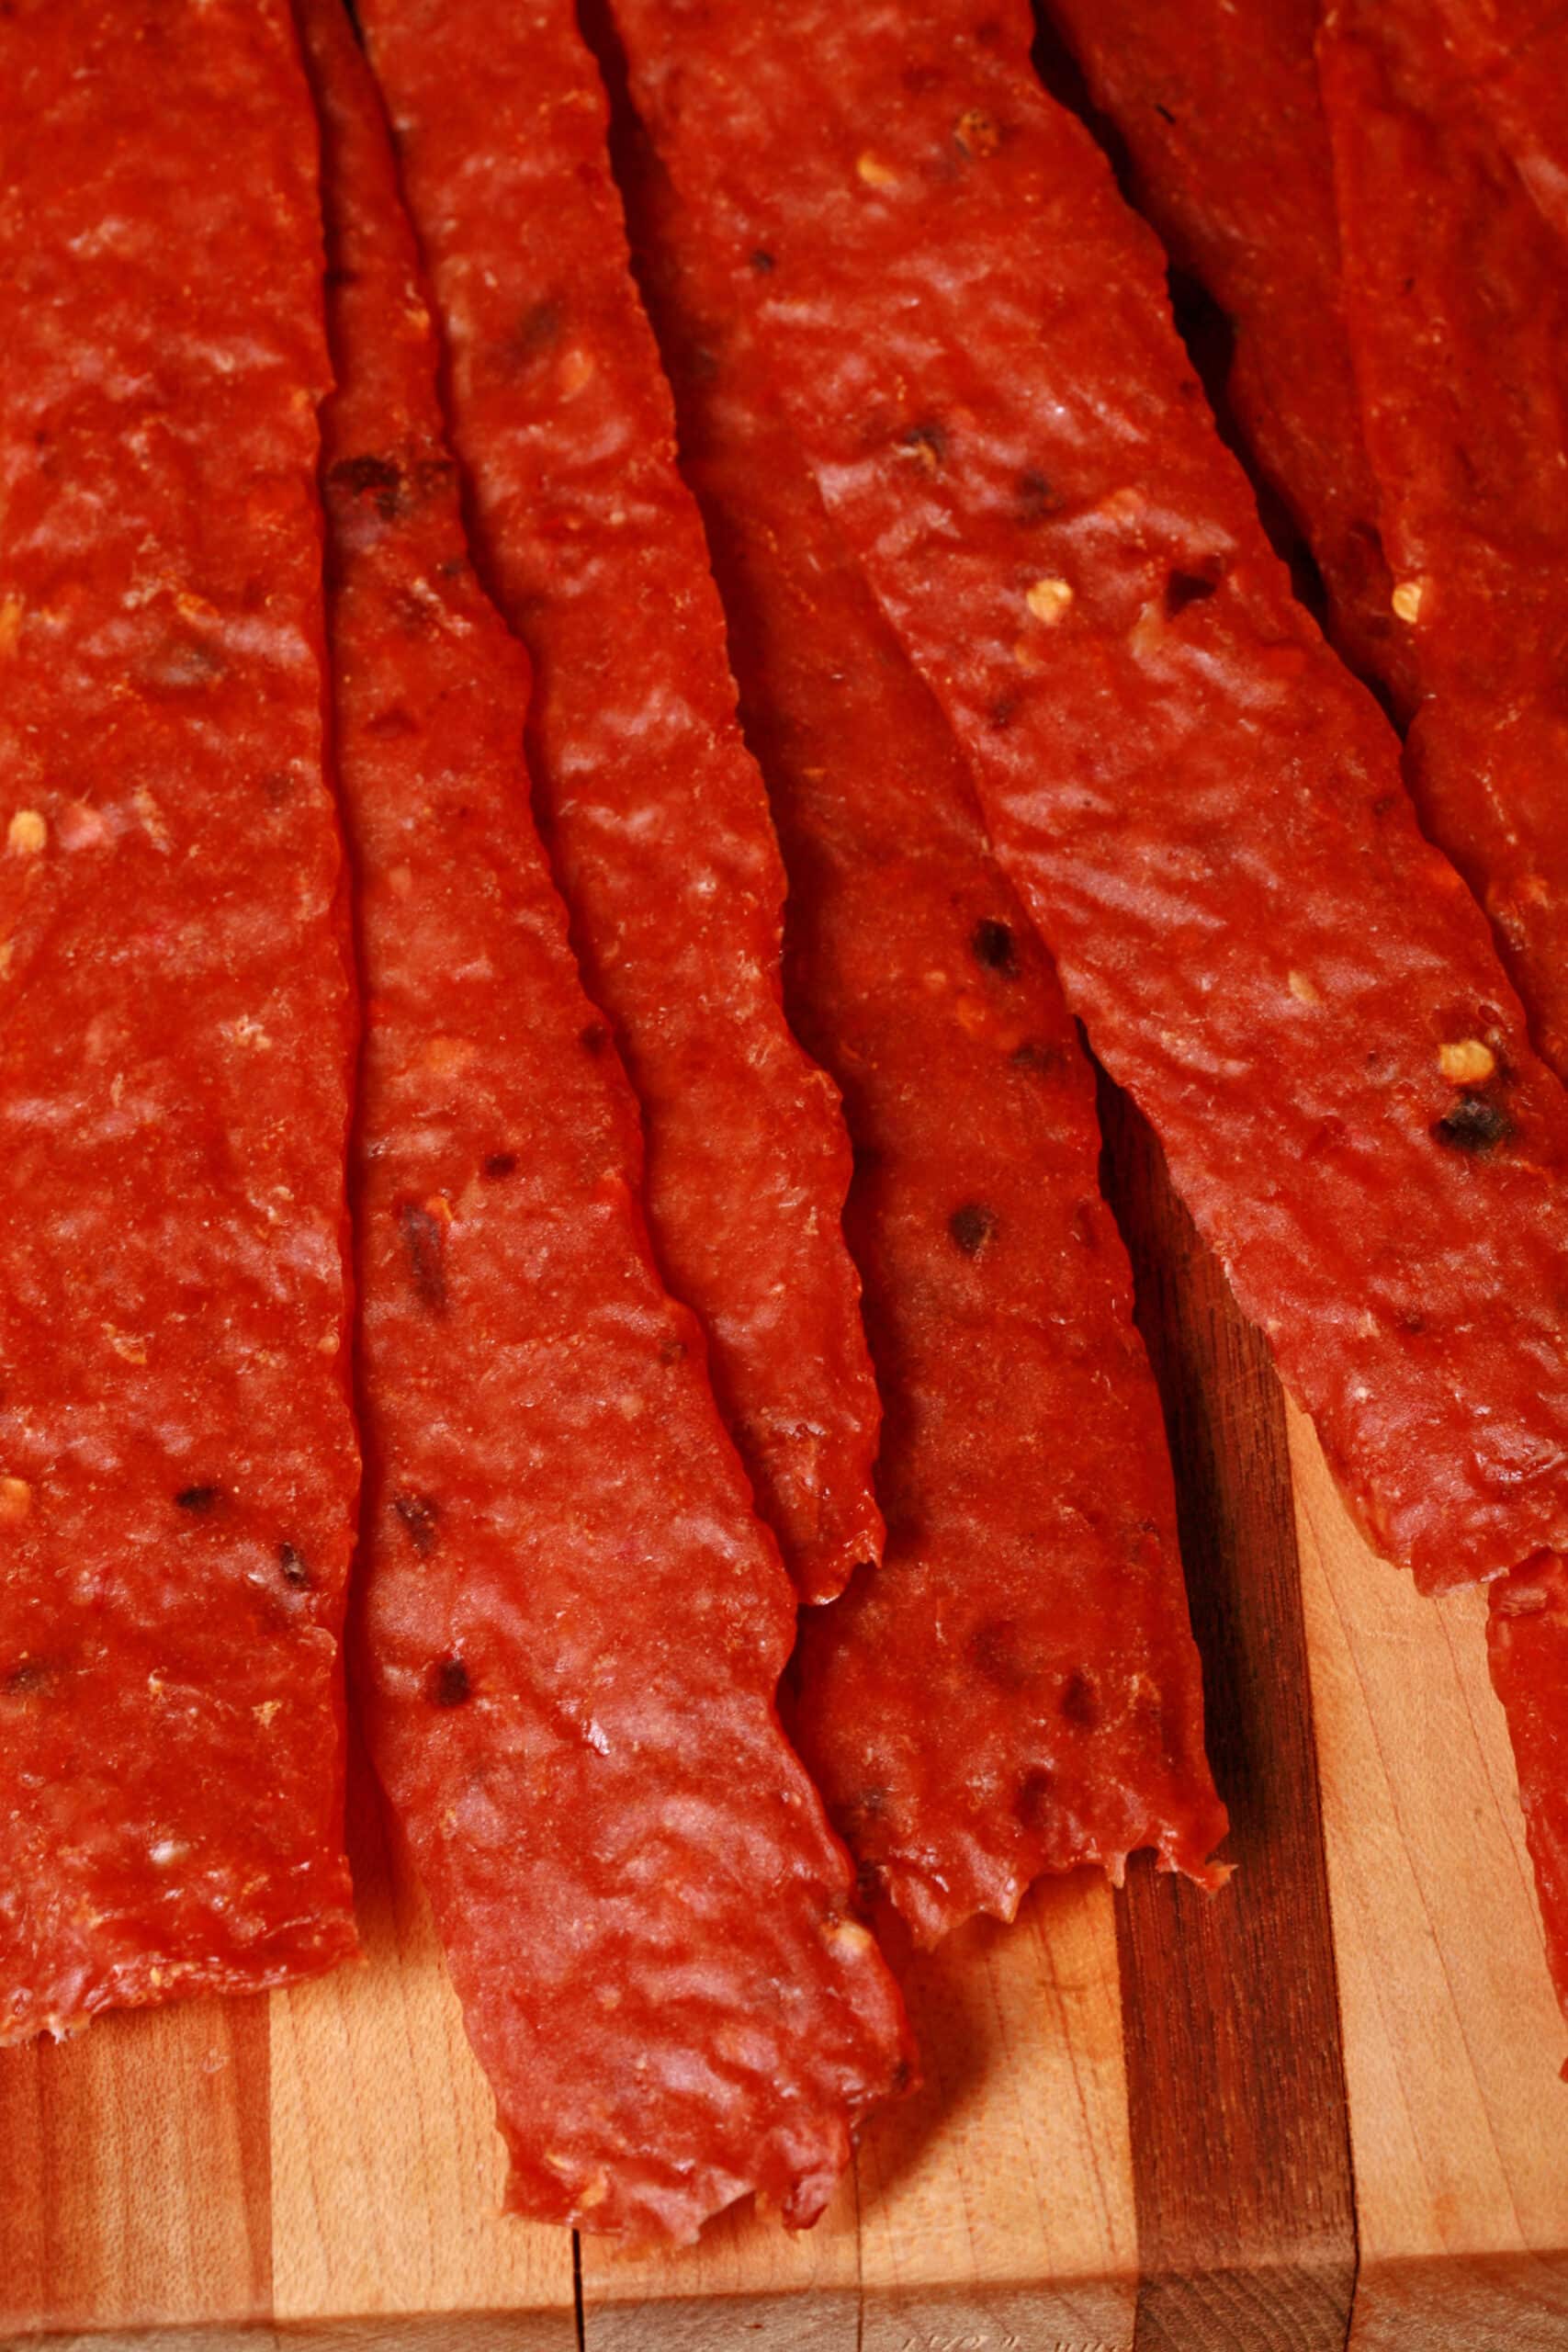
point(179, 1469)
point(1200, 809)
point(1217, 104)
point(1014, 1689)
point(1458, 306)
point(573, 1624)
point(656, 815)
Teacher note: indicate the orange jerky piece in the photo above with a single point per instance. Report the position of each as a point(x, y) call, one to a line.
point(1218, 105)
point(573, 1625)
point(1014, 1688)
point(178, 1472)
point(654, 812)
point(1201, 809)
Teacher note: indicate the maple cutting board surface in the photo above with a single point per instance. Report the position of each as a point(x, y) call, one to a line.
point(1322, 2107)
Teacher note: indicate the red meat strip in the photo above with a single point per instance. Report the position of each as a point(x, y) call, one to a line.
point(1218, 106)
point(1014, 1689)
point(1516, 52)
point(573, 1625)
point(656, 816)
point(1200, 809)
point(1458, 303)
point(178, 1470)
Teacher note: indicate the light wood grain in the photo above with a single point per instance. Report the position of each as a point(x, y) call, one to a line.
point(1458, 2123)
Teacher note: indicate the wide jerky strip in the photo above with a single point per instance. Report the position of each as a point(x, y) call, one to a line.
point(177, 1465)
point(1218, 106)
point(1457, 295)
point(1458, 314)
point(656, 815)
point(1014, 1688)
point(573, 1624)
point(1201, 809)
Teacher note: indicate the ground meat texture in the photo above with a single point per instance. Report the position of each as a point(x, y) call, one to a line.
point(175, 1026)
point(1026, 1631)
point(1457, 296)
point(1527, 1632)
point(1217, 105)
point(572, 1623)
point(656, 815)
point(1204, 814)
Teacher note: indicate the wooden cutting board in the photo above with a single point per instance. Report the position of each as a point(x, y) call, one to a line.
point(1321, 2109)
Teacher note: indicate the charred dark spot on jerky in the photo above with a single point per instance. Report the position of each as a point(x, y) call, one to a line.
point(762, 262)
point(868, 1884)
point(392, 724)
point(1386, 803)
point(424, 1239)
point(500, 1164)
point(996, 1652)
point(380, 479)
point(197, 1498)
point(1039, 1059)
point(1033, 1803)
point(1409, 1320)
point(536, 331)
point(1080, 1702)
point(995, 947)
point(291, 1560)
point(27, 1678)
point(1000, 713)
point(899, 2081)
point(926, 443)
point(446, 1684)
point(277, 787)
point(1036, 497)
point(1474, 1125)
point(1164, 113)
point(672, 1350)
point(972, 1227)
point(595, 1038)
point(1185, 588)
point(421, 1517)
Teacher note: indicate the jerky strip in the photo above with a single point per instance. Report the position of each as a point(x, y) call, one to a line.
point(656, 817)
point(573, 1624)
point(1528, 1637)
point(178, 1463)
point(1218, 106)
point(1202, 812)
point(1014, 1689)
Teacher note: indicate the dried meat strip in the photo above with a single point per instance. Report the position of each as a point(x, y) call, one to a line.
point(1514, 53)
point(178, 1470)
point(572, 1623)
point(1201, 809)
point(656, 816)
point(1015, 1688)
point(1218, 106)
point(1458, 305)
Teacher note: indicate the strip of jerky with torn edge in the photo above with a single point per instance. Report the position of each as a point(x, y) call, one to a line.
point(1455, 296)
point(1201, 809)
point(1217, 104)
point(656, 816)
point(178, 1470)
point(1014, 1689)
point(573, 1625)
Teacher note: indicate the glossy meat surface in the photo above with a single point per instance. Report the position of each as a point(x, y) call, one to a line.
point(573, 1624)
point(656, 816)
point(1201, 810)
point(1014, 1688)
point(179, 1469)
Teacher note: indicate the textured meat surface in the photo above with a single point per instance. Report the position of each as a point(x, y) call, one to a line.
point(1219, 108)
point(1014, 1689)
point(1458, 301)
point(177, 1465)
point(1514, 53)
point(573, 1624)
point(1528, 1632)
point(1201, 810)
point(656, 815)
